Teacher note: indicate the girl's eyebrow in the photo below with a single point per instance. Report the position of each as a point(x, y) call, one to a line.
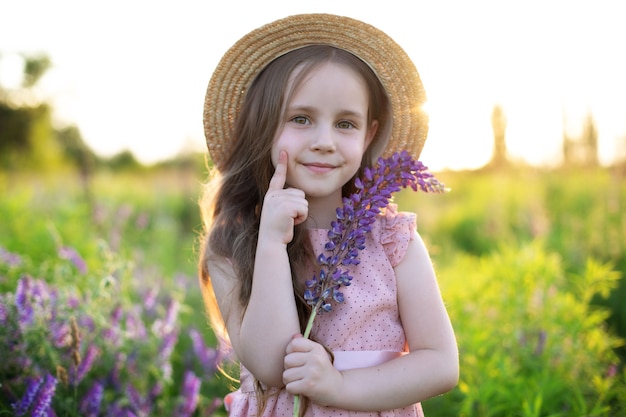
point(312, 110)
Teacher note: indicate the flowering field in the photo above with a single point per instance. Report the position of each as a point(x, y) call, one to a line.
point(100, 313)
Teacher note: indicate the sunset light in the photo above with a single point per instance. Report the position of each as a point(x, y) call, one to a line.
point(133, 75)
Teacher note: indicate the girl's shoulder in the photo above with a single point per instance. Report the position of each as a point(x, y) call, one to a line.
point(394, 230)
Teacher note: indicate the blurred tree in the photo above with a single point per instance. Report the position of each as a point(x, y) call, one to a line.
point(499, 157)
point(28, 139)
point(569, 148)
point(75, 149)
point(79, 154)
point(124, 160)
point(589, 141)
point(34, 68)
point(582, 151)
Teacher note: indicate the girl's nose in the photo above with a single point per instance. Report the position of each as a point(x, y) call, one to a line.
point(323, 140)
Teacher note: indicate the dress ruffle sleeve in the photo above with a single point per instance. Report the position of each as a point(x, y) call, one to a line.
point(397, 229)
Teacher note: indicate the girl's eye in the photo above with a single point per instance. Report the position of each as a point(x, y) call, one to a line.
point(344, 124)
point(302, 120)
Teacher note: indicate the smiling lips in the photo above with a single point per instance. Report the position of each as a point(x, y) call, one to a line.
point(319, 168)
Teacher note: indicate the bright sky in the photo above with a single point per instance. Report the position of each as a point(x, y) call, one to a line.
point(132, 74)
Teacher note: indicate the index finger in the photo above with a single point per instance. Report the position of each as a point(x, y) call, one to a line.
point(280, 174)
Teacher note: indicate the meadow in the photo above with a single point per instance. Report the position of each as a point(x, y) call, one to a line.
point(100, 313)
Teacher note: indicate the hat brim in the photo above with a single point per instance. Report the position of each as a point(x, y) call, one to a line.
point(245, 59)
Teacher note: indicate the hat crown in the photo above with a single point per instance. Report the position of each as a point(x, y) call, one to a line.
point(241, 64)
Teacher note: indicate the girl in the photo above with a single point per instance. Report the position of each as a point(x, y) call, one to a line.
point(293, 113)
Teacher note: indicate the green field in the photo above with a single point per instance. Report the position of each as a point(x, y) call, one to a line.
point(531, 265)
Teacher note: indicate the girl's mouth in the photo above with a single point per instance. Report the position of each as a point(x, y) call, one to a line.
point(319, 168)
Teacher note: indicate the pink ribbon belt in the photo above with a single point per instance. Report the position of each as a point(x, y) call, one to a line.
point(353, 359)
point(344, 360)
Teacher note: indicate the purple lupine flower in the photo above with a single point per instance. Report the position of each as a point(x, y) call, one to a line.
point(208, 357)
point(190, 394)
point(4, 310)
point(85, 364)
point(165, 326)
point(156, 390)
point(136, 400)
point(73, 302)
point(135, 325)
point(41, 405)
point(142, 220)
point(60, 333)
point(70, 254)
point(347, 233)
point(112, 333)
point(87, 322)
point(22, 301)
point(150, 299)
point(9, 258)
point(90, 404)
point(114, 410)
point(21, 407)
point(167, 346)
point(41, 293)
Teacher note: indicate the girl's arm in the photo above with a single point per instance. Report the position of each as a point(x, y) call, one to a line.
point(260, 334)
point(431, 368)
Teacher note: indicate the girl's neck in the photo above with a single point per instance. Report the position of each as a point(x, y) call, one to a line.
point(322, 211)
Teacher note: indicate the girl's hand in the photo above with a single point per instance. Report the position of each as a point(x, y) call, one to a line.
point(283, 208)
point(309, 371)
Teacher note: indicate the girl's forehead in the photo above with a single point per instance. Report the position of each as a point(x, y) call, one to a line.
point(302, 73)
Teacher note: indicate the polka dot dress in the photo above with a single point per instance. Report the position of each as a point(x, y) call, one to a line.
point(368, 319)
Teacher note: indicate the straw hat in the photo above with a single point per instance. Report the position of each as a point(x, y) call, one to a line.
point(246, 58)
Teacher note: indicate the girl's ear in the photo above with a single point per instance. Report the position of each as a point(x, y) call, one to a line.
point(371, 133)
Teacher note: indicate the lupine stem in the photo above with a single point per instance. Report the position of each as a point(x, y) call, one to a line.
point(309, 325)
point(307, 333)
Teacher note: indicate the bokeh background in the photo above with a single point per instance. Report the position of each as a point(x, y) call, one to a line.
point(102, 160)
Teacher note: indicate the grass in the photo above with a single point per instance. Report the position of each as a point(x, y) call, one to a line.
point(531, 266)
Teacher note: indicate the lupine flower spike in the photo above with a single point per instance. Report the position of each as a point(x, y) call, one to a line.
point(347, 234)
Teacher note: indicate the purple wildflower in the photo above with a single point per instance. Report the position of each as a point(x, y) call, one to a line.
point(150, 299)
point(41, 405)
point(112, 333)
point(90, 404)
point(60, 333)
point(165, 326)
point(207, 356)
point(70, 254)
point(142, 221)
point(190, 393)
point(85, 364)
point(9, 258)
point(21, 407)
point(156, 390)
point(134, 324)
point(73, 302)
point(41, 294)
point(136, 400)
point(4, 311)
point(167, 346)
point(23, 302)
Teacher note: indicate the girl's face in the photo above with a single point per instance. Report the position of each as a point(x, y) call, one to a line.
point(325, 130)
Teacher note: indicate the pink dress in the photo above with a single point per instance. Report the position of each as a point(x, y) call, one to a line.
point(364, 330)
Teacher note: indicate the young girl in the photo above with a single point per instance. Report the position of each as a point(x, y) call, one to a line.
point(294, 111)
